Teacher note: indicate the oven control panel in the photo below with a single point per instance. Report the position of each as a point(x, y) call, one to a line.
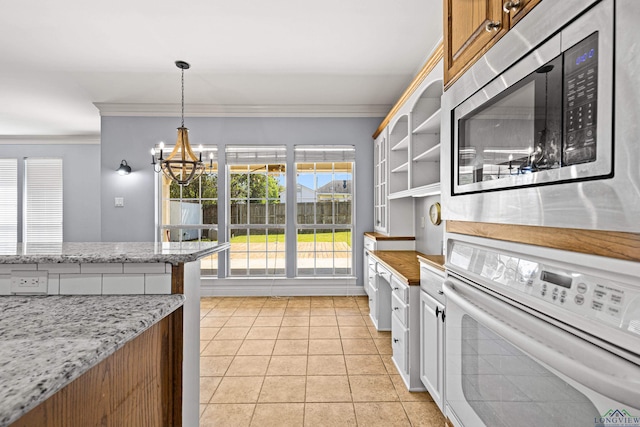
point(548, 285)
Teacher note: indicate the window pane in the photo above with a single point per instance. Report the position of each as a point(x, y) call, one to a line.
point(325, 202)
point(238, 185)
point(324, 211)
point(238, 212)
point(258, 212)
point(263, 204)
point(43, 200)
point(306, 212)
point(209, 211)
point(8, 200)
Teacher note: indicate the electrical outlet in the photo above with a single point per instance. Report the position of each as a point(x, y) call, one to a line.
point(28, 282)
point(119, 202)
point(422, 221)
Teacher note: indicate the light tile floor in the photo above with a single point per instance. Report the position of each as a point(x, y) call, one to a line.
point(301, 361)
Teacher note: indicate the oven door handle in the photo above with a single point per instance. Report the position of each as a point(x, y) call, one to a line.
point(585, 363)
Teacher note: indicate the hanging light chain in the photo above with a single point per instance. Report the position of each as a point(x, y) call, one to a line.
point(182, 123)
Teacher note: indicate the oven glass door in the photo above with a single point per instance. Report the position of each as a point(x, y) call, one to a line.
point(491, 381)
point(545, 120)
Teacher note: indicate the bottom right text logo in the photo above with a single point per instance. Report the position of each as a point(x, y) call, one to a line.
point(618, 418)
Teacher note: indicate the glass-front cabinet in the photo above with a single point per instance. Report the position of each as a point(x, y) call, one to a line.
point(380, 183)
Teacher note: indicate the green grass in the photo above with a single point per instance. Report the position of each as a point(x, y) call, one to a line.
point(340, 236)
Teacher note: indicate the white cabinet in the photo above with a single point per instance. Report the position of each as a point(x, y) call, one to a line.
point(432, 318)
point(432, 347)
point(380, 173)
point(405, 331)
point(379, 299)
point(390, 217)
point(414, 142)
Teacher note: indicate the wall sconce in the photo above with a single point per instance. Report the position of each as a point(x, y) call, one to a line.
point(124, 168)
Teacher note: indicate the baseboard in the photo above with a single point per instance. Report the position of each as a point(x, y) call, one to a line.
point(281, 287)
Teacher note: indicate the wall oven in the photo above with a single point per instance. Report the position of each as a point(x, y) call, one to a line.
point(534, 341)
point(543, 130)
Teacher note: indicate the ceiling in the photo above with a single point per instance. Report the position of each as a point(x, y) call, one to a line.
point(60, 60)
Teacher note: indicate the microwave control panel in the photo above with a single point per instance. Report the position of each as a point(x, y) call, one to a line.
point(580, 101)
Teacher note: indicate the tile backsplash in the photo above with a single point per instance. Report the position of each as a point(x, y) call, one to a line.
point(96, 278)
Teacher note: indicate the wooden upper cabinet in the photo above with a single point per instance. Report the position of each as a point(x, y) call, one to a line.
point(518, 9)
point(473, 26)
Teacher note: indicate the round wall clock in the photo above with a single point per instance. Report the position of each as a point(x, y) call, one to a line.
point(434, 214)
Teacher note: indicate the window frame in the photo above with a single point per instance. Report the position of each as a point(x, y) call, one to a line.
point(333, 155)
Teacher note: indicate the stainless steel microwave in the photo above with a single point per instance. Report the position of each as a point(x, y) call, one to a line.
point(543, 130)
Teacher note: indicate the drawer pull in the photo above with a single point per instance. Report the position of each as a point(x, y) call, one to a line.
point(437, 311)
point(396, 340)
point(396, 288)
point(440, 292)
point(396, 308)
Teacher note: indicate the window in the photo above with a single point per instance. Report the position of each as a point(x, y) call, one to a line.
point(8, 200)
point(324, 206)
point(42, 200)
point(256, 182)
point(190, 213)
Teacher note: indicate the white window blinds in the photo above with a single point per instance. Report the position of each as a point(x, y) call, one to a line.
point(325, 153)
point(250, 154)
point(43, 200)
point(8, 200)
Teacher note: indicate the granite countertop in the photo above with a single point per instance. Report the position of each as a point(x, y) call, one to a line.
point(403, 264)
point(106, 252)
point(47, 342)
point(379, 236)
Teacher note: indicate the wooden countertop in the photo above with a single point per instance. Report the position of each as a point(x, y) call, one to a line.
point(435, 261)
point(403, 264)
point(379, 236)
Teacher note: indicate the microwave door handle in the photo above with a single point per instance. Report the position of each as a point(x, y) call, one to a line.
point(538, 340)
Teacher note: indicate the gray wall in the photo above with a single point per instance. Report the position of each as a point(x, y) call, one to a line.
point(131, 138)
point(81, 185)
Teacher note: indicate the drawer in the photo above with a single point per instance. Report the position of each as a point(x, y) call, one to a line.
point(373, 302)
point(369, 244)
point(400, 345)
point(400, 289)
point(373, 280)
point(384, 274)
point(400, 310)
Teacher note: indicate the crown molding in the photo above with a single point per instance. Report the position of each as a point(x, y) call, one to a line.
point(215, 110)
point(93, 139)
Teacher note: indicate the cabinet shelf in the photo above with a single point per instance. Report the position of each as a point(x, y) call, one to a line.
point(403, 144)
point(430, 155)
point(422, 191)
point(430, 125)
point(402, 168)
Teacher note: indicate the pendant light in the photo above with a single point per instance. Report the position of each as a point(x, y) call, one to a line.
point(181, 165)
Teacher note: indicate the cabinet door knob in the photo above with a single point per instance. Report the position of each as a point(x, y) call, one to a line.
point(440, 292)
point(396, 340)
point(395, 308)
point(492, 26)
point(511, 6)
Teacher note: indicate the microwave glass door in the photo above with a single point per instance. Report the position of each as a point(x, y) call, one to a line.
point(533, 127)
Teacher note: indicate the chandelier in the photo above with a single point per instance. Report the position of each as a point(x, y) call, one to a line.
point(181, 165)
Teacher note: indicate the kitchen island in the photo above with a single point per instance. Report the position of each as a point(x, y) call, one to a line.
point(125, 269)
point(50, 341)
